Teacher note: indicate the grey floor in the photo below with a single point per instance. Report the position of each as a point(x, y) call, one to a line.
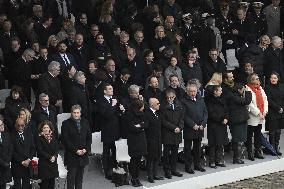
point(94, 179)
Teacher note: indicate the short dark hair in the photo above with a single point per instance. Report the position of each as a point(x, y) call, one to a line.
point(43, 123)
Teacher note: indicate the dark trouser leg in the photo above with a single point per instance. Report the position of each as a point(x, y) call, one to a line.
point(47, 184)
point(187, 154)
point(197, 151)
point(2, 186)
point(166, 157)
point(26, 183)
point(134, 166)
point(17, 183)
point(173, 157)
point(219, 156)
point(257, 137)
point(71, 174)
point(149, 165)
point(249, 140)
point(51, 183)
point(79, 177)
point(272, 134)
point(211, 154)
point(277, 139)
point(109, 157)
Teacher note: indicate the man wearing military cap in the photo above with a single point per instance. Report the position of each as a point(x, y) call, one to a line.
point(259, 19)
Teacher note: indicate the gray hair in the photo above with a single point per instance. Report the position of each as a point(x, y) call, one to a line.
point(53, 65)
point(29, 52)
point(76, 107)
point(41, 96)
point(78, 74)
point(133, 88)
point(275, 38)
point(37, 7)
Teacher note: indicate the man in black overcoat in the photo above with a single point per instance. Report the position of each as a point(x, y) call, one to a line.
point(5, 156)
point(23, 153)
point(76, 138)
point(44, 112)
point(50, 84)
point(172, 114)
point(195, 121)
point(80, 95)
point(109, 112)
point(154, 140)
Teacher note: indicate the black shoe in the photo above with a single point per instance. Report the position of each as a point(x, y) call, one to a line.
point(190, 171)
point(278, 152)
point(151, 180)
point(238, 161)
point(250, 157)
point(168, 175)
point(212, 165)
point(177, 174)
point(134, 183)
point(158, 178)
point(258, 155)
point(108, 177)
point(199, 168)
point(220, 164)
point(139, 183)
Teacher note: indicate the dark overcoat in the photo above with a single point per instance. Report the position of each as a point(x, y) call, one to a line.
point(6, 150)
point(74, 139)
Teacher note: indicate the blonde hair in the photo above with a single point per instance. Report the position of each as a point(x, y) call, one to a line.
point(28, 115)
point(216, 79)
point(157, 30)
point(52, 37)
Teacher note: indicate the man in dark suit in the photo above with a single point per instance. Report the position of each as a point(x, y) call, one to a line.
point(154, 141)
point(109, 111)
point(172, 124)
point(23, 72)
point(81, 52)
point(273, 58)
point(153, 91)
point(213, 64)
point(77, 139)
point(6, 35)
point(195, 121)
point(45, 112)
point(24, 151)
point(122, 84)
point(43, 60)
point(5, 156)
point(43, 29)
point(80, 95)
point(64, 58)
point(50, 84)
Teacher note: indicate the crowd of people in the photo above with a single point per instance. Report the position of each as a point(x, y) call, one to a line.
point(157, 73)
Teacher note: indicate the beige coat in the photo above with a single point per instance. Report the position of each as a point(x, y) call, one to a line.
point(254, 119)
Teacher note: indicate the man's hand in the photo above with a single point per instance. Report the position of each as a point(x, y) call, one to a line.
point(114, 102)
point(177, 130)
point(195, 127)
point(201, 127)
point(225, 121)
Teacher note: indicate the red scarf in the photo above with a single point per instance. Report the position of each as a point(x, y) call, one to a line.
point(259, 99)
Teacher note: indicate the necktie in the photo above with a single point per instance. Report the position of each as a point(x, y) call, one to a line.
point(0, 138)
point(46, 111)
point(65, 59)
point(78, 125)
point(110, 100)
point(21, 136)
point(172, 106)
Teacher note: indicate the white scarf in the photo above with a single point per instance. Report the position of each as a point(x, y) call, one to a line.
point(62, 10)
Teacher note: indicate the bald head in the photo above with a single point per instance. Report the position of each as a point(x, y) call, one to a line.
point(154, 103)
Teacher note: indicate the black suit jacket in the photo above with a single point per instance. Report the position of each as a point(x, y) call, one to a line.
point(23, 150)
point(63, 66)
point(109, 120)
point(74, 140)
point(6, 149)
point(39, 115)
point(81, 56)
point(153, 135)
point(51, 86)
point(43, 34)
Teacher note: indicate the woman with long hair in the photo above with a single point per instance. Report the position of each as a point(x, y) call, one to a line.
point(47, 150)
point(275, 95)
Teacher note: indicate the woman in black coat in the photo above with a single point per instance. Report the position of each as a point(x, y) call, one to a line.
point(217, 126)
point(5, 156)
point(275, 95)
point(136, 138)
point(47, 151)
point(13, 105)
point(238, 113)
